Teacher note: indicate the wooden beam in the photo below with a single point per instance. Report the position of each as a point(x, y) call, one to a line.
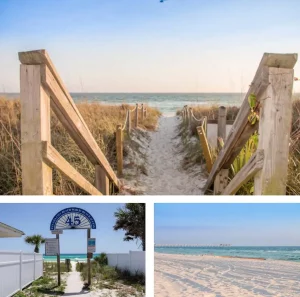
point(128, 127)
point(102, 181)
point(55, 160)
point(142, 114)
point(205, 147)
point(68, 115)
point(222, 124)
point(221, 181)
point(35, 128)
point(119, 146)
point(254, 165)
point(274, 133)
point(242, 129)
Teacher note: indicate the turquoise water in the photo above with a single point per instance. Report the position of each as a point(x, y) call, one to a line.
point(166, 102)
point(75, 257)
point(291, 253)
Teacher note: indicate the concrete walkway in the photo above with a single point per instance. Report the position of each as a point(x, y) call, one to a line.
point(74, 283)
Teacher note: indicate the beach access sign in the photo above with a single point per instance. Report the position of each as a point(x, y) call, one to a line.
point(51, 247)
point(72, 218)
point(91, 245)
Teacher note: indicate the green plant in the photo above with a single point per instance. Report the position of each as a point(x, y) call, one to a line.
point(101, 259)
point(131, 218)
point(35, 240)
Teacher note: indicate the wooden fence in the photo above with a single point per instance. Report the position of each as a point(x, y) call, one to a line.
point(41, 90)
point(271, 90)
point(126, 127)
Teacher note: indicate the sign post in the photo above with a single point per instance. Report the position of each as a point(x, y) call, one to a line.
point(58, 262)
point(52, 249)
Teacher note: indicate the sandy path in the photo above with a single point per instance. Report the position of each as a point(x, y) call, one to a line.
point(74, 283)
point(165, 176)
point(181, 275)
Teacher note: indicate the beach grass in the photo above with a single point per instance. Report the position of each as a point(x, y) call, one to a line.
point(51, 267)
point(44, 286)
point(193, 153)
point(101, 119)
point(107, 277)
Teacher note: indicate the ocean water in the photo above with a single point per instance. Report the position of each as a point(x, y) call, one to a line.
point(74, 257)
point(290, 253)
point(167, 103)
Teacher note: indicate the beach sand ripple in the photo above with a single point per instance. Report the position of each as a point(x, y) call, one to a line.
point(209, 276)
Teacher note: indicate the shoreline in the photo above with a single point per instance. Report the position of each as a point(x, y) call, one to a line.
point(227, 257)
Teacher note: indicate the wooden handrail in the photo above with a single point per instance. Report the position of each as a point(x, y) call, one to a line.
point(242, 129)
point(64, 108)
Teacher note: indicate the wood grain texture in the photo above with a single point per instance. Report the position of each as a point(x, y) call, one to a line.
point(205, 147)
point(119, 146)
point(222, 124)
point(68, 115)
point(254, 165)
point(274, 133)
point(242, 129)
point(35, 128)
point(102, 182)
point(55, 160)
point(221, 181)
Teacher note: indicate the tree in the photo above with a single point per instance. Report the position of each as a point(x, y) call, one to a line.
point(131, 218)
point(35, 240)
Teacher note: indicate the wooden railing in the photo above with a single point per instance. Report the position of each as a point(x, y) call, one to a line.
point(126, 127)
point(272, 89)
point(42, 90)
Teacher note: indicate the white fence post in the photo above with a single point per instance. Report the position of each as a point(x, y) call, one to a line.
point(21, 268)
point(34, 261)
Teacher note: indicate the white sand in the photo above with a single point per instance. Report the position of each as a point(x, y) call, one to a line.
point(209, 276)
point(165, 175)
point(74, 283)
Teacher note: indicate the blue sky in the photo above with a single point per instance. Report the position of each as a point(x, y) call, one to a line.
point(36, 219)
point(236, 224)
point(148, 46)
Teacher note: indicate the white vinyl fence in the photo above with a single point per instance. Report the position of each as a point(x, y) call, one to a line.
point(134, 261)
point(18, 270)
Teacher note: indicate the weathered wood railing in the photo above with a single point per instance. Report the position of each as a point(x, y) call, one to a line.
point(272, 87)
point(41, 90)
point(126, 127)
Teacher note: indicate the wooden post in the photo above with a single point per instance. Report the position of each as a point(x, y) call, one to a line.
point(102, 181)
point(145, 113)
point(119, 145)
point(89, 276)
point(128, 122)
point(274, 132)
point(35, 128)
point(136, 123)
point(58, 262)
point(222, 124)
point(221, 181)
point(142, 119)
point(205, 147)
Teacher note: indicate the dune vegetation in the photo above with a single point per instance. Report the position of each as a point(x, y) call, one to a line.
point(193, 153)
point(101, 119)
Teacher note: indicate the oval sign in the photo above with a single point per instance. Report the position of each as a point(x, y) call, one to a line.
point(72, 218)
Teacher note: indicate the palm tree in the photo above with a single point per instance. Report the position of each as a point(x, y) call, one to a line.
point(35, 240)
point(131, 218)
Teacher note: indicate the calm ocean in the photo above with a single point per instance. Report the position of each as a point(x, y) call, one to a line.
point(268, 252)
point(167, 103)
point(75, 257)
